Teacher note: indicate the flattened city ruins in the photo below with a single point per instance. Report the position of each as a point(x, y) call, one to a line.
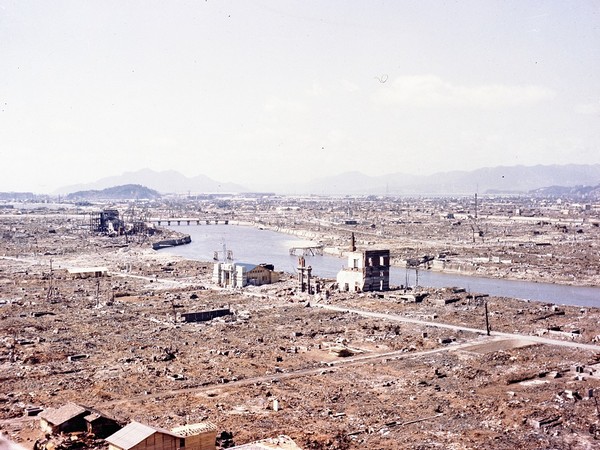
point(108, 342)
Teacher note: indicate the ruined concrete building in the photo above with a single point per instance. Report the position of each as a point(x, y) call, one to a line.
point(234, 275)
point(87, 272)
point(368, 270)
point(106, 221)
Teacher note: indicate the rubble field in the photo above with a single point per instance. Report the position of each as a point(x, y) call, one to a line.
point(533, 239)
point(422, 374)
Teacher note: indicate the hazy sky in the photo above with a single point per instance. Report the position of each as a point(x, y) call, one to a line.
point(276, 91)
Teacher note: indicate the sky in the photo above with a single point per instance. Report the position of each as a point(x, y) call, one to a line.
point(268, 92)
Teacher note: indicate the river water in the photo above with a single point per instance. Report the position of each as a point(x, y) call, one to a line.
point(251, 245)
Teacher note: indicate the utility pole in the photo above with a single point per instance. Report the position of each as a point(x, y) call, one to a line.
point(97, 293)
point(487, 319)
point(50, 293)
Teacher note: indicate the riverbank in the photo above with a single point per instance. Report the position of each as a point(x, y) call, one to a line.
point(254, 245)
point(475, 266)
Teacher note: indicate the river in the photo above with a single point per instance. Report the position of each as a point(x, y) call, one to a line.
point(251, 245)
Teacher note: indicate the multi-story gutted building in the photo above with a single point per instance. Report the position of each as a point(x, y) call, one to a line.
point(368, 270)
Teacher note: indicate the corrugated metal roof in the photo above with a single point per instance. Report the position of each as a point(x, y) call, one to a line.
point(133, 434)
point(194, 428)
point(58, 416)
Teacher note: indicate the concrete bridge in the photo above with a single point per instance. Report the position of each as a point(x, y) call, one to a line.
point(188, 221)
point(306, 250)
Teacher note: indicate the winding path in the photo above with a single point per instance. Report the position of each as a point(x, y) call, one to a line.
point(523, 337)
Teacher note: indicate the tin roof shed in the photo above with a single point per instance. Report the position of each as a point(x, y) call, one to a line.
point(134, 433)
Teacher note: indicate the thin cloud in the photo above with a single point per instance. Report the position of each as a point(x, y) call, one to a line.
point(349, 86)
point(277, 104)
point(430, 91)
point(588, 109)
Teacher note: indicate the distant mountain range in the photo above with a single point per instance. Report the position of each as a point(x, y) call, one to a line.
point(165, 182)
point(586, 193)
point(124, 192)
point(489, 180)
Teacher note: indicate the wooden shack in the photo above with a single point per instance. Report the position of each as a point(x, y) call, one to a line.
point(100, 425)
point(71, 418)
point(66, 419)
point(138, 436)
point(198, 436)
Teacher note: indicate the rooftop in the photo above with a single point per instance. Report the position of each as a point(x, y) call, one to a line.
point(58, 416)
point(194, 428)
point(133, 434)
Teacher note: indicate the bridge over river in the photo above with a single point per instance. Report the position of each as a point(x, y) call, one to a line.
point(172, 221)
point(307, 250)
